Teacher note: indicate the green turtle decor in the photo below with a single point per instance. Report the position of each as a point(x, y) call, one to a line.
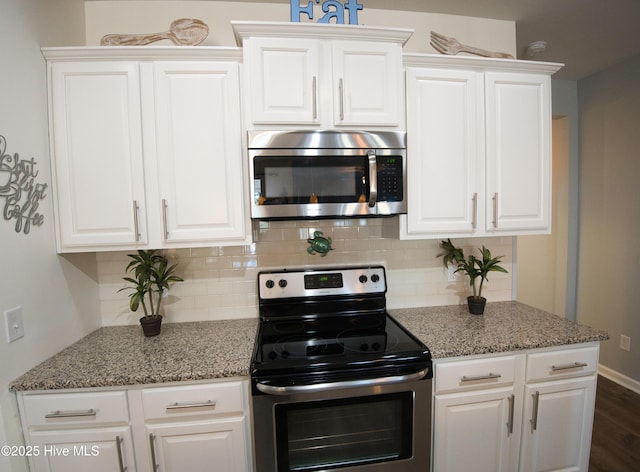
point(319, 244)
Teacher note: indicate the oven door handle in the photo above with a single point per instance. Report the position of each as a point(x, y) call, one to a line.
point(324, 387)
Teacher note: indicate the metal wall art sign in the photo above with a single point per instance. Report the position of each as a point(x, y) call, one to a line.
point(20, 190)
point(333, 10)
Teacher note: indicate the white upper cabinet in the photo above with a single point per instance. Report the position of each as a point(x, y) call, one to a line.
point(479, 147)
point(444, 140)
point(283, 77)
point(309, 75)
point(96, 152)
point(146, 152)
point(518, 149)
point(198, 150)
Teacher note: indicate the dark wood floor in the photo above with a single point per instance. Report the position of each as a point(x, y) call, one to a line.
point(615, 444)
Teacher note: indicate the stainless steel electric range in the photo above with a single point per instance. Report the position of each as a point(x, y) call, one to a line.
point(337, 383)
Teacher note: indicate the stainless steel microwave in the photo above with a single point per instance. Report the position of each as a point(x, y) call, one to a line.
point(321, 174)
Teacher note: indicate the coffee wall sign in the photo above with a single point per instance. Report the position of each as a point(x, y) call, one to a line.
point(329, 11)
point(21, 193)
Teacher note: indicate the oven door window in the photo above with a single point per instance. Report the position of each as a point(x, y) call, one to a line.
point(318, 179)
point(332, 434)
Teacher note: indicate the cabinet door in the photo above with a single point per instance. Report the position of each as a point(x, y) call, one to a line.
point(556, 430)
point(444, 114)
point(199, 153)
point(518, 127)
point(367, 80)
point(95, 450)
point(199, 447)
point(473, 431)
point(97, 154)
point(283, 80)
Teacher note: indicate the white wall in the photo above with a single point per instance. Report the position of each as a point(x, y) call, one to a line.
point(608, 282)
point(58, 296)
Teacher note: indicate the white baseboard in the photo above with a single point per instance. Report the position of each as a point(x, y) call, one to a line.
point(619, 378)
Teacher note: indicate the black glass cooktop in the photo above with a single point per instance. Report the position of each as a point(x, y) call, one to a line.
point(344, 346)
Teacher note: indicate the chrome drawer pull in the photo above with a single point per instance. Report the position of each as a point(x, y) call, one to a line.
point(152, 446)
point(555, 368)
point(534, 412)
point(489, 376)
point(179, 406)
point(512, 399)
point(119, 441)
point(70, 414)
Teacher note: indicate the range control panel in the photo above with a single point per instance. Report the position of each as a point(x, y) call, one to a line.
point(324, 282)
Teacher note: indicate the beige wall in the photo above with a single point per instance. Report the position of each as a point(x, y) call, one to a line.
point(105, 17)
point(608, 281)
point(542, 260)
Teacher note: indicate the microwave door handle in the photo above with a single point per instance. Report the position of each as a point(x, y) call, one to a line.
point(373, 178)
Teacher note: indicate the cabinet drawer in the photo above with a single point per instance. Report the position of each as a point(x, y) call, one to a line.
point(66, 409)
point(475, 374)
point(562, 364)
point(192, 400)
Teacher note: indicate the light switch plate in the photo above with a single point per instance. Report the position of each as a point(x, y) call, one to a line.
point(14, 324)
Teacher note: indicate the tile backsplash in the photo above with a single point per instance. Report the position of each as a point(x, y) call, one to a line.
point(220, 282)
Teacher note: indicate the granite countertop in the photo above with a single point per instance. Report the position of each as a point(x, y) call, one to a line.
point(205, 350)
point(121, 355)
point(505, 326)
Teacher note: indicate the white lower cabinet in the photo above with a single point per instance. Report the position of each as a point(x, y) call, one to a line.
point(197, 427)
point(531, 411)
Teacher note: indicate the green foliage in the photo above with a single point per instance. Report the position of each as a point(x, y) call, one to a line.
point(152, 276)
point(474, 267)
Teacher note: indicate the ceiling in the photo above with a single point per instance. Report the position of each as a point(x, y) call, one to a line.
point(585, 35)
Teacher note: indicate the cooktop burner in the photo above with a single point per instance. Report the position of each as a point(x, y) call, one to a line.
point(318, 324)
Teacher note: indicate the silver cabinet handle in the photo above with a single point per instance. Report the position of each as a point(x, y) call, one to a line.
point(71, 414)
point(495, 210)
point(314, 91)
point(136, 226)
point(534, 413)
point(119, 441)
point(164, 219)
point(179, 406)
point(555, 368)
point(323, 387)
point(373, 178)
point(474, 220)
point(512, 399)
point(489, 376)
point(152, 446)
point(341, 94)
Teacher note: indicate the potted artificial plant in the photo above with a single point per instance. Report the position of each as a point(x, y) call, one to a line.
point(152, 276)
point(474, 268)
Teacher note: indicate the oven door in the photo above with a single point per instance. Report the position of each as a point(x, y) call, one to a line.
point(380, 428)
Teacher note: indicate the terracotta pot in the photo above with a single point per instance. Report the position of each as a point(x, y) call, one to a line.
point(476, 305)
point(151, 325)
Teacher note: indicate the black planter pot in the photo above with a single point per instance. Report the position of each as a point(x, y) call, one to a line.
point(476, 305)
point(151, 325)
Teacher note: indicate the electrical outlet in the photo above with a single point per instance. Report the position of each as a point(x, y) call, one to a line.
point(451, 274)
point(14, 324)
point(625, 342)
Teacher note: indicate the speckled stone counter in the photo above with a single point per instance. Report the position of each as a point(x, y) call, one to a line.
point(450, 331)
point(121, 355)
